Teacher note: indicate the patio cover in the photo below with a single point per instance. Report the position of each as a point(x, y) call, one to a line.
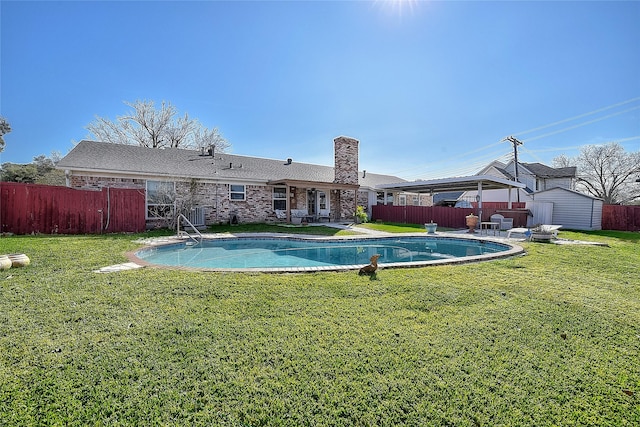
point(313, 185)
point(462, 183)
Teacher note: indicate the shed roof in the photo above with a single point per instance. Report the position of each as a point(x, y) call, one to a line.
point(574, 192)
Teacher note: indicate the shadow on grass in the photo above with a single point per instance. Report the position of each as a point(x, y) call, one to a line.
point(629, 236)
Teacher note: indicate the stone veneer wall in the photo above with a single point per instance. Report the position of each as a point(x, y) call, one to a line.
point(346, 160)
point(346, 172)
point(363, 199)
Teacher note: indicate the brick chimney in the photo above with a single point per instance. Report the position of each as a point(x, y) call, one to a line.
point(346, 160)
point(346, 172)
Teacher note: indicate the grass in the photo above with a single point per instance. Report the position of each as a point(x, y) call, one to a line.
point(547, 339)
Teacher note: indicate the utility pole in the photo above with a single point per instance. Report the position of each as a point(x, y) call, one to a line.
point(516, 142)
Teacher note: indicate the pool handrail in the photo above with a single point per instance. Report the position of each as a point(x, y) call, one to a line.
point(181, 217)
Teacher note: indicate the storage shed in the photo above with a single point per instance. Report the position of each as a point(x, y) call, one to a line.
point(573, 210)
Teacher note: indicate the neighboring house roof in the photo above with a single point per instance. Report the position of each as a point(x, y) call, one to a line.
point(505, 172)
point(538, 169)
point(451, 196)
point(101, 157)
point(544, 171)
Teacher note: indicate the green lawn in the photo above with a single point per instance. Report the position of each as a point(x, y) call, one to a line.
point(547, 339)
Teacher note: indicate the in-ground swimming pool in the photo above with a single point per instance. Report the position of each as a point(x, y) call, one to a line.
point(312, 254)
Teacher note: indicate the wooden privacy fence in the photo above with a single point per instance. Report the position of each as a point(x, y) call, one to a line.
point(444, 216)
point(614, 217)
point(30, 208)
point(623, 218)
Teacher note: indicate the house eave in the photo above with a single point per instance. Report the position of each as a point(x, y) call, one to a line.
point(313, 184)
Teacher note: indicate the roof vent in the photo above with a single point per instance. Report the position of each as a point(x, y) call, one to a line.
point(289, 160)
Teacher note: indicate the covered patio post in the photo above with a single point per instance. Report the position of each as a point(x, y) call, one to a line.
point(480, 200)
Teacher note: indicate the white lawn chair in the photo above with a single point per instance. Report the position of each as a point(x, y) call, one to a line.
point(505, 223)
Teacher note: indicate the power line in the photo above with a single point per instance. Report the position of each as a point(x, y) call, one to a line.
point(461, 170)
point(581, 124)
point(453, 158)
point(599, 110)
point(459, 157)
point(576, 147)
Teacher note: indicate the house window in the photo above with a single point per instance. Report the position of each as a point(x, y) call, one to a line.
point(380, 198)
point(237, 192)
point(279, 198)
point(402, 200)
point(322, 200)
point(161, 196)
point(416, 200)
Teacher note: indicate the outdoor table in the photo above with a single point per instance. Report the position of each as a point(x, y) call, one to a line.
point(489, 226)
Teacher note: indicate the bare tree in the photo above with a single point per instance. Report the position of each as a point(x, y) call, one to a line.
point(209, 138)
point(4, 129)
point(149, 127)
point(606, 172)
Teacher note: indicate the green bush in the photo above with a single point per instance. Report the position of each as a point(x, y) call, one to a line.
point(361, 215)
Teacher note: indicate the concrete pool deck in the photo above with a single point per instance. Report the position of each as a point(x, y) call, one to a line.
point(365, 233)
point(500, 236)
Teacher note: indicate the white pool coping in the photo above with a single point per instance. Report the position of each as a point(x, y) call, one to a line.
point(514, 250)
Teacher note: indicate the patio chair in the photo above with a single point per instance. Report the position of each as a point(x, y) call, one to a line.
point(505, 223)
point(324, 214)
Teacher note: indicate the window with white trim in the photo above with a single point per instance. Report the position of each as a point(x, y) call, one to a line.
point(161, 197)
point(402, 200)
point(279, 198)
point(237, 193)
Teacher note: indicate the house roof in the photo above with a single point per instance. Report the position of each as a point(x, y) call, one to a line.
point(101, 157)
point(544, 171)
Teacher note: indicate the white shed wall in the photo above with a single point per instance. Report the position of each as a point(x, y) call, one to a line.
point(573, 210)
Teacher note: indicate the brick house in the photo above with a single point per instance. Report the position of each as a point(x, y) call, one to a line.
point(213, 188)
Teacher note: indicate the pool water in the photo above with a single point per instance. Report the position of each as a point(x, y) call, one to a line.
point(282, 253)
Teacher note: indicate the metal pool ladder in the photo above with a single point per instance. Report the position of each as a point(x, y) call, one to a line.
point(195, 238)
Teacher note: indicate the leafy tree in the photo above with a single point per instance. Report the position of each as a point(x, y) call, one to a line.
point(606, 172)
point(149, 127)
point(12, 172)
point(4, 129)
point(41, 171)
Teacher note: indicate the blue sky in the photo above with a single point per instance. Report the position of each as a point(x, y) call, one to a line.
point(428, 87)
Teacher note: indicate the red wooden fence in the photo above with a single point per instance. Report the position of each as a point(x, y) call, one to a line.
point(614, 217)
point(447, 216)
point(624, 218)
point(30, 208)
